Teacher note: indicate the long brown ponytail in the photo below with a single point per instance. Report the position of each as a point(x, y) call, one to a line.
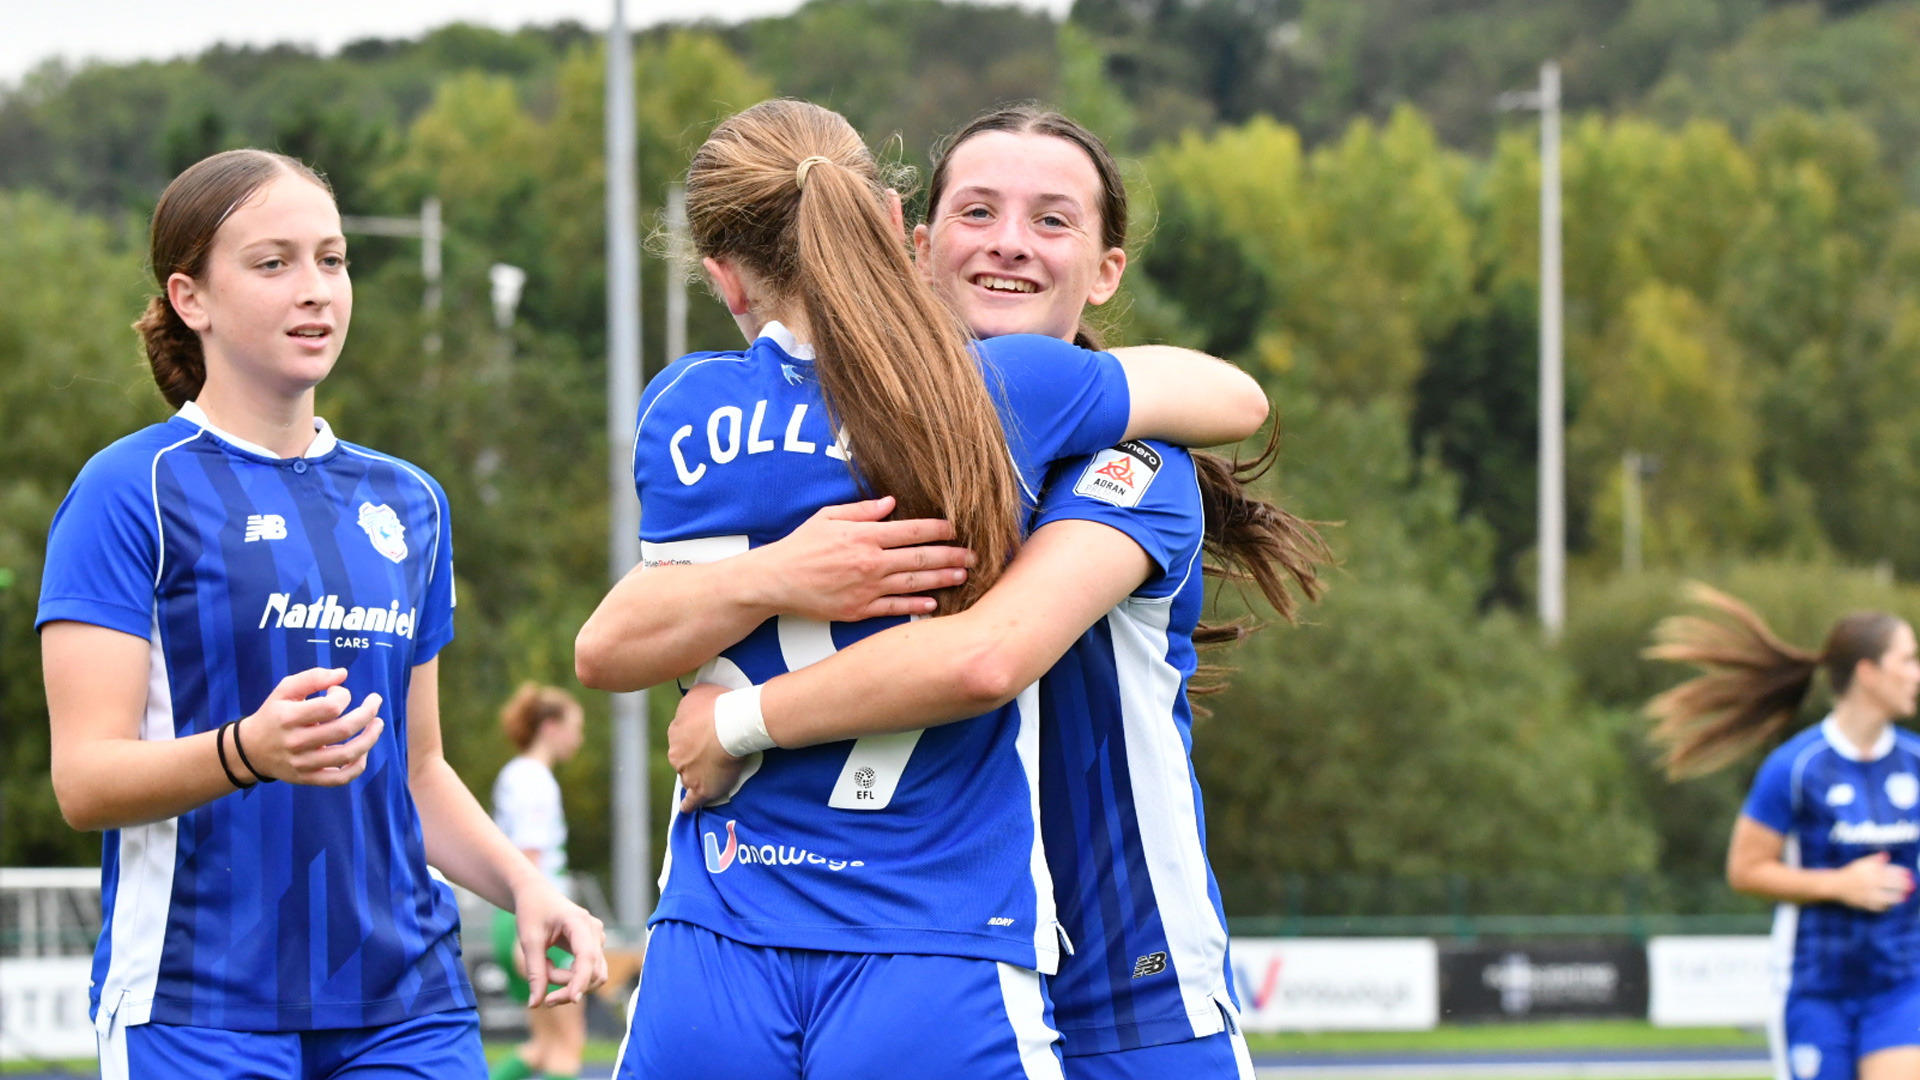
point(893, 361)
point(185, 221)
point(1752, 682)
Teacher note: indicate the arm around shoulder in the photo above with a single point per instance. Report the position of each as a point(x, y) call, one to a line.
point(1188, 397)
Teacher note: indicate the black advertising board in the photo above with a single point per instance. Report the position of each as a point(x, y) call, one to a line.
point(1524, 980)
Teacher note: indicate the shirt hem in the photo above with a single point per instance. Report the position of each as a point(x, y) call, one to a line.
point(913, 941)
point(1113, 1038)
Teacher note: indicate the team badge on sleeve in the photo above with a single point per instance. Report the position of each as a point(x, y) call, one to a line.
point(384, 529)
point(1120, 474)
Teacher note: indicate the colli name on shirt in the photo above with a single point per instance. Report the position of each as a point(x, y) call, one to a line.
point(730, 433)
point(326, 613)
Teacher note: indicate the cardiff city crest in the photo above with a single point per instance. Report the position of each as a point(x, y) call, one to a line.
point(384, 529)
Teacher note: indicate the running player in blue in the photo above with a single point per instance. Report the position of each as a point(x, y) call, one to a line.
point(1024, 197)
point(240, 618)
point(1831, 828)
point(881, 908)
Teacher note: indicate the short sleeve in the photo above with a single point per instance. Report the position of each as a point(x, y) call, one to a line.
point(103, 553)
point(1771, 801)
point(1058, 399)
point(436, 614)
point(1147, 490)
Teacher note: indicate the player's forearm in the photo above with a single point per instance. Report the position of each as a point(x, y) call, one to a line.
point(462, 842)
point(1188, 397)
point(120, 783)
point(1773, 880)
point(666, 621)
point(908, 677)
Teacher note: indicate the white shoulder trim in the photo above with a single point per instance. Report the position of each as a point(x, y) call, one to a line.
point(668, 389)
point(1800, 764)
point(159, 525)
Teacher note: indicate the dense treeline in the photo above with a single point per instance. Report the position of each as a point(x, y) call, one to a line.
point(1326, 197)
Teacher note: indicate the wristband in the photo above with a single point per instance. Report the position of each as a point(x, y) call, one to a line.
point(738, 723)
point(220, 744)
point(242, 751)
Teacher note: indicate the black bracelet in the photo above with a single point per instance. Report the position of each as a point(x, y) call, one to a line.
point(258, 778)
point(220, 744)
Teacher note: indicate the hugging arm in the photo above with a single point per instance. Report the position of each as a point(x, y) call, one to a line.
point(1068, 575)
point(1189, 398)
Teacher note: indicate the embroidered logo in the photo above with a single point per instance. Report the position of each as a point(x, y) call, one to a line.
point(384, 529)
point(1150, 964)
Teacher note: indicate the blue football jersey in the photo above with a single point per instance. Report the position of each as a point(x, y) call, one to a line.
point(921, 842)
point(1119, 803)
point(281, 907)
point(1835, 805)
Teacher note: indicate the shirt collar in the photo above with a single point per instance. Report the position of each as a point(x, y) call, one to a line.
point(322, 444)
point(1846, 748)
point(777, 332)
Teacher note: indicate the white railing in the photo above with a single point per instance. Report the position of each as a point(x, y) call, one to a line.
point(49, 920)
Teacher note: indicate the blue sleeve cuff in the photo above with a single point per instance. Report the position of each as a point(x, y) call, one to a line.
point(127, 620)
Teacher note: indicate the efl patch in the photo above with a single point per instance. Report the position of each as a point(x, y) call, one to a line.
point(1120, 474)
point(384, 529)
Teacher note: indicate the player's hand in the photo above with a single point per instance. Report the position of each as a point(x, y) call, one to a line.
point(1872, 883)
point(706, 770)
point(847, 563)
point(304, 733)
point(544, 919)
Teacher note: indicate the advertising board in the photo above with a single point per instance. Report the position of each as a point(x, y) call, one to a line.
point(1543, 979)
point(1710, 981)
point(1336, 984)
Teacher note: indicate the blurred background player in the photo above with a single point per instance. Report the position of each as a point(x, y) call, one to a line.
point(1026, 228)
point(546, 725)
point(1830, 829)
point(883, 908)
point(219, 589)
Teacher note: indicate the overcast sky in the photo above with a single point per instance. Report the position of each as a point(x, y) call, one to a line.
point(34, 30)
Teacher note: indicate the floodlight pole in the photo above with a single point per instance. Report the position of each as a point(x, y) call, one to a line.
point(427, 229)
point(1552, 492)
point(631, 832)
point(678, 246)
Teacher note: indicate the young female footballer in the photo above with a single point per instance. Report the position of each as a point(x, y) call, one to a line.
point(240, 619)
point(1831, 828)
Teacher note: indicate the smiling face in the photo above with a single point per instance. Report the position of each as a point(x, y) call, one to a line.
point(1015, 244)
point(273, 304)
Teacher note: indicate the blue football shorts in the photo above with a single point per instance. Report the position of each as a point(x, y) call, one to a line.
point(438, 1046)
point(711, 1008)
point(1825, 1037)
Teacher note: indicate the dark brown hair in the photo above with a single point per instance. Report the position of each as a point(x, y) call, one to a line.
point(530, 707)
point(189, 215)
point(1248, 539)
point(893, 360)
point(1753, 681)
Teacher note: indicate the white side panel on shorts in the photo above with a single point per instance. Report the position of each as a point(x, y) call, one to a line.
point(144, 892)
point(1163, 803)
point(1027, 1012)
point(1786, 927)
point(633, 1003)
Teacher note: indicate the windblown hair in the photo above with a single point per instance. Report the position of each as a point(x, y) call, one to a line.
point(1753, 682)
point(1248, 540)
point(530, 707)
point(893, 361)
point(188, 216)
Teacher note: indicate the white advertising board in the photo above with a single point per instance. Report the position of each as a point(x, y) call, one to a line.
point(43, 1008)
point(1337, 984)
point(1709, 981)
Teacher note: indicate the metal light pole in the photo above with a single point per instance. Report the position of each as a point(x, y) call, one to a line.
point(631, 893)
point(677, 251)
point(1631, 544)
point(1553, 505)
point(426, 229)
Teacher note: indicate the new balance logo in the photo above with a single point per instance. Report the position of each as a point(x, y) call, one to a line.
point(1150, 964)
point(266, 527)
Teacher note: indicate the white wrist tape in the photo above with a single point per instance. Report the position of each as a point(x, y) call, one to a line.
point(738, 723)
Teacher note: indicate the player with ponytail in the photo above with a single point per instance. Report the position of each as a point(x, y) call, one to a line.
point(1831, 828)
point(879, 907)
point(241, 618)
point(1028, 218)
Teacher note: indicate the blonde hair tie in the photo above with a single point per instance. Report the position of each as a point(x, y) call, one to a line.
point(806, 165)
